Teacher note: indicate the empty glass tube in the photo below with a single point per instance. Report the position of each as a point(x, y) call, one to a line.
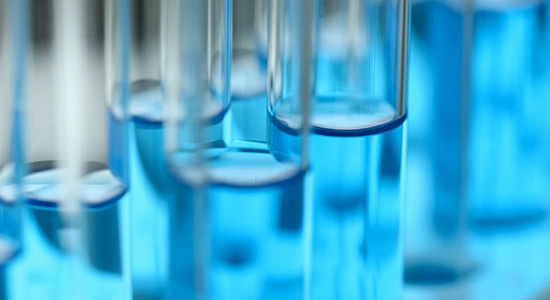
point(76, 181)
point(237, 226)
point(356, 146)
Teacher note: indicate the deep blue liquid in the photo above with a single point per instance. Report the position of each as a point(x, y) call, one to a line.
point(253, 224)
point(356, 187)
point(45, 264)
point(88, 259)
point(504, 150)
point(356, 216)
point(152, 212)
point(436, 252)
point(151, 187)
point(256, 231)
point(10, 245)
point(509, 139)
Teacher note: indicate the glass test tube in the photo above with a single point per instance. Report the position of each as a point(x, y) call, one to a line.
point(12, 15)
point(76, 182)
point(488, 151)
point(248, 71)
point(149, 178)
point(487, 141)
point(356, 146)
point(241, 224)
point(508, 142)
point(437, 222)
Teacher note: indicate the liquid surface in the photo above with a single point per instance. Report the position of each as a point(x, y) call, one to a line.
point(98, 188)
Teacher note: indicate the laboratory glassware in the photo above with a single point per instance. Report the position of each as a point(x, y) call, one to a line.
point(240, 211)
point(149, 179)
point(488, 149)
point(437, 221)
point(12, 46)
point(487, 142)
point(356, 146)
point(507, 143)
point(75, 186)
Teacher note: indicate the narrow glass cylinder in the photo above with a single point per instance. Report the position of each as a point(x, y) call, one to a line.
point(487, 137)
point(489, 152)
point(356, 146)
point(76, 181)
point(149, 178)
point(12, 44)
point(239, 212)
point(437, 233)
point(508, 142)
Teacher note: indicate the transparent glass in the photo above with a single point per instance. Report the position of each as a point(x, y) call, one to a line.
point(11, 65)
point(486, 135)
point(507, 144)
point(356, 146)
point(238, 208)
point(149, 176)
point(437, 221)
point(74, 135)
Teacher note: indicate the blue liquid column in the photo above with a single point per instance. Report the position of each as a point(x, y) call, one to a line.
point(12, 47)
point(196, 37)
point(75, 222)
point(149, 178)
point(357, 149)
point(437, 241)
point(508, 142)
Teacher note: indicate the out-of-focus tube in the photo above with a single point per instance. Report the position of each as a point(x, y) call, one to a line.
point(75, 150)
point(12, 63)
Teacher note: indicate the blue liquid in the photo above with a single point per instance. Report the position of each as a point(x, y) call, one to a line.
point(10, 247)
point(151, 188)
point(509, 138)
point(45, 264)
point(252, 226)
point(356, 170)
point(505, 146)
point(356, 224)
point(64, 260)
point(255, 207)
point(436, 252)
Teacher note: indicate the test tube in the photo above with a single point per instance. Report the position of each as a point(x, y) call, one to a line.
point(12, 45)
point(75, 150)
point(149, 178)
point(495, 162)
point(507, 133)
point(356, 146)
point(241, 222)
point(437, 221)
point(487, 140)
